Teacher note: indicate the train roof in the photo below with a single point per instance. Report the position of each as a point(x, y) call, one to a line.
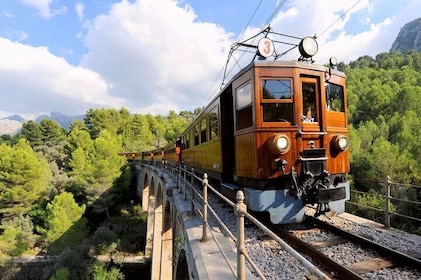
point(285, 64)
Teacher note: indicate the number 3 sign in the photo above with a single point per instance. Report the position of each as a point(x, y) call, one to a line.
point(265, 47)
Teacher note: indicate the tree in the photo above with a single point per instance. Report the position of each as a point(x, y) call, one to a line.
point(51, 132)
point(175, 126)
point(100, 272)
point(64, 221)
point(32, 132)
point(17, 236)
point(103, 168)
point(77, 138)
point(97, 120)
point(137, 135)
point(24, 178)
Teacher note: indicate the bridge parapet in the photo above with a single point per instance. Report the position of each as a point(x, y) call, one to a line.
point(175, 232)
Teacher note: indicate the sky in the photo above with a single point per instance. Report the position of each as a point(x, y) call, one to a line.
point(153, 56)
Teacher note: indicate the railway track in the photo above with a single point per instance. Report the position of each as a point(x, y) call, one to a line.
point(381, 257)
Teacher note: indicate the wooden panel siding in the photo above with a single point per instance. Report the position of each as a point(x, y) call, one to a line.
point(206, 156)
point(245, 156)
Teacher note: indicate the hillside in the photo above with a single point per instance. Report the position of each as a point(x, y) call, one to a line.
point(409, 37)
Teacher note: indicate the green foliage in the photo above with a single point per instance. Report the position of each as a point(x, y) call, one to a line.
point(384, 98)
point(64, 221)
point(17, 237)
point(375, 209)
point(102, 241)
point(97, 120)
point(102, 169)
point(24, 178)
point(62, 273)
point(137, 134)
point(73, 260)
point(32, 132)
point(100, 272)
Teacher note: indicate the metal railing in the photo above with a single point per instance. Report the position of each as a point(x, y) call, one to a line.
point(388, 199)
point(186, 180)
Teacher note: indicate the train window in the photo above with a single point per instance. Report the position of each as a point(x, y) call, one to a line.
point(203, 129)
point(277, 89)
point(309, 102)
point(243, 106)
point(196, 134)
point(243, 96)
point(335, 98)
point(213, 123)
point(187, 141)
point(277, 103)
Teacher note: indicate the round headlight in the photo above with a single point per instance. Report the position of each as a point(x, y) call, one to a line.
point(308, 47)
point(341, 143)
point(279, 144)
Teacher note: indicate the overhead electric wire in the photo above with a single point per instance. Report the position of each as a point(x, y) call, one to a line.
point(274, 13)
point(210, 93)
point(341, 16)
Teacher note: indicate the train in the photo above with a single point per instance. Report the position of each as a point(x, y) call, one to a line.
point(278, 131)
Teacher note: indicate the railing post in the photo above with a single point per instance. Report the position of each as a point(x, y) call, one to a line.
point(387, 206)
point(240, 211)
point(192, 191)
point(177, 175)
point(205, 237)
point(184, 182)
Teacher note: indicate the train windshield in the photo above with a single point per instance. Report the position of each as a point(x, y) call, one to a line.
point(277, 100)
point(309, 90)
point(335, 98)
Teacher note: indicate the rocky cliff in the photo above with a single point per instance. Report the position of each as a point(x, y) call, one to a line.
point(409, 37)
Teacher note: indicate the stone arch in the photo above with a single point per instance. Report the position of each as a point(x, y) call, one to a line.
point(150, 232)
point(181, 271)
point(145, 192)
point(167, 243)
point(158, 196)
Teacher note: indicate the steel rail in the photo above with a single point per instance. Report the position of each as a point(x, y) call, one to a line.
point(389, 253)
point(340, 271)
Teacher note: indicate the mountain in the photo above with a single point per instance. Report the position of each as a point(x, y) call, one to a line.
point(62, 119)
point(15, 118)
point(10, 127)
point(409, 37)
point(13, 124)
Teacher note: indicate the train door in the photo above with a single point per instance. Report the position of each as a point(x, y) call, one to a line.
point(311, 134)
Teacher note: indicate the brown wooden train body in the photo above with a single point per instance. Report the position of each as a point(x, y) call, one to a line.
point(239, 148)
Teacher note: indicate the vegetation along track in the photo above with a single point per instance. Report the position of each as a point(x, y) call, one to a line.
point(313, 237)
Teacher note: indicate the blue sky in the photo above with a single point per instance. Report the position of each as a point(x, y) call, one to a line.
point(152, 56)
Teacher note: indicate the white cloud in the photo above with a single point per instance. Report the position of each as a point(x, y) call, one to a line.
point(34, 80)
point(80, 8)
point(155, 52)
point(44, 9)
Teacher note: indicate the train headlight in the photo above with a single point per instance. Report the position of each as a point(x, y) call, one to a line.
point(341, 143)
point(308, 47)
point(279, 144)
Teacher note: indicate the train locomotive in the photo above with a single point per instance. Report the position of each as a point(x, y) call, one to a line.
point(277, 130)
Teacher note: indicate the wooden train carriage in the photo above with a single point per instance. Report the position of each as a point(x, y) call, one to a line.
point(130, 156)
point(207, 144)
point(234, 137)
point(172, 152)
point(148, 155)
point(292, 99)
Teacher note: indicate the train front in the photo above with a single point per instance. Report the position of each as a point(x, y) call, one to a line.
point(297, 134)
